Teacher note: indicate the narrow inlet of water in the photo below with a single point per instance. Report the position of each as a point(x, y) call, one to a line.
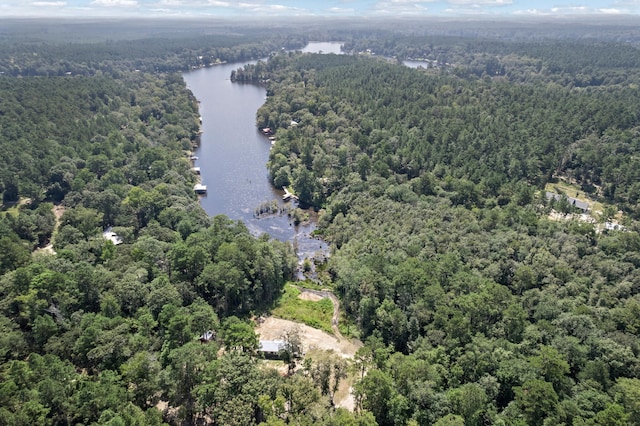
point(233, 155)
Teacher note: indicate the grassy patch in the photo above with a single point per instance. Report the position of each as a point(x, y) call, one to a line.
point(347, 327)
point(314, 314)
point(309, 283)
point(13, 209)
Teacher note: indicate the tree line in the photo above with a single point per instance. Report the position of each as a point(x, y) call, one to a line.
point(100, 331)
point(476, 306)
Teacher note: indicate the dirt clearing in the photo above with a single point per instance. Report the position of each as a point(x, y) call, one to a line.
point(310, 296)
point(273, 329)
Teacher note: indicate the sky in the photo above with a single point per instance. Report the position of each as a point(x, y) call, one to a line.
point(312, 8)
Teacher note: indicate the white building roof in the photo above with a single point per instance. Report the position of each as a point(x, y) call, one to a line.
point(108, 234)
point(271, 345)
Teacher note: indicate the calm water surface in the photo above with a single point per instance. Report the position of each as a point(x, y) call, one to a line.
point(417, 64)
point(233, 154)
point(323, 47)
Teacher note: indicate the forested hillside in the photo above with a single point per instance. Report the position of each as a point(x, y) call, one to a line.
point(480, 300)
point(101, 329)
point(478, 305)
point(98, 331)
point(489, 136)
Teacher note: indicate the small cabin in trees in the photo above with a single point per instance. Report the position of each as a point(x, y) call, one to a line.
point(573, 202)
point(207, 336)
point(271, 348)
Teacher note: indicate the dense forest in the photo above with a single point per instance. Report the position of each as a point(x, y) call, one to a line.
point(491, 136)
point(477, 304)
point(102, 330)
point(479, 299)
point(33, 49)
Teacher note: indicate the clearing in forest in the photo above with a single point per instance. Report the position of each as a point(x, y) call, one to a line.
point(273, 328)
point(574, 191)
point(306, 306)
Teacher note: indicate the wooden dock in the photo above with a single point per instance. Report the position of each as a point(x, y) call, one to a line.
point(288, 195)
point(200, 188)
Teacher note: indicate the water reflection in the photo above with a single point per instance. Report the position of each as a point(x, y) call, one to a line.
point(233, 154)
point(323, 47)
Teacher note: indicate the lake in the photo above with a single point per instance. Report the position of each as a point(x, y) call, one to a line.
point(233, 154)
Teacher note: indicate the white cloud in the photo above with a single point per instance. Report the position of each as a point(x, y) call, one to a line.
point(481, 2)
point(49, 3)
point(529, 12)
point(341, 10)
point(115, 3)
point(474, 7)
point(473, 10)
point(280, 7)
point(171, 3)
point(327, 7)
point(260, 8)
point(401, 7)
point(226, 7)
point(412, 1)
point(195, 3)
point(569, 9)
point(575, 10)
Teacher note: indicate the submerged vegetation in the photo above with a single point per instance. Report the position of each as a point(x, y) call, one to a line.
point(474, 305)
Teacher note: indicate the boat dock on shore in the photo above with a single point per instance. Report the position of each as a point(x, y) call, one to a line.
point(200, 188)
point(288, 195)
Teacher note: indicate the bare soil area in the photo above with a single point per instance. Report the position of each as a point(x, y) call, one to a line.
point(310, 296)
point(58, 211)
point(273, 329)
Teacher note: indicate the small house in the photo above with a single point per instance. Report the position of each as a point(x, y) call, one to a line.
point(271, 348)
point(207, 336)
point(108, 234)
point(574, 202)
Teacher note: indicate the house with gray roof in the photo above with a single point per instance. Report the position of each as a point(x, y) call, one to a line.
point(574, 202)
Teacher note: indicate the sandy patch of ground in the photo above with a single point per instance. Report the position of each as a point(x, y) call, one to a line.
point(48, 249)
point(582, 217)
point(310, 296)
point(344, 397)
point(273, 329)
point(58, 211)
